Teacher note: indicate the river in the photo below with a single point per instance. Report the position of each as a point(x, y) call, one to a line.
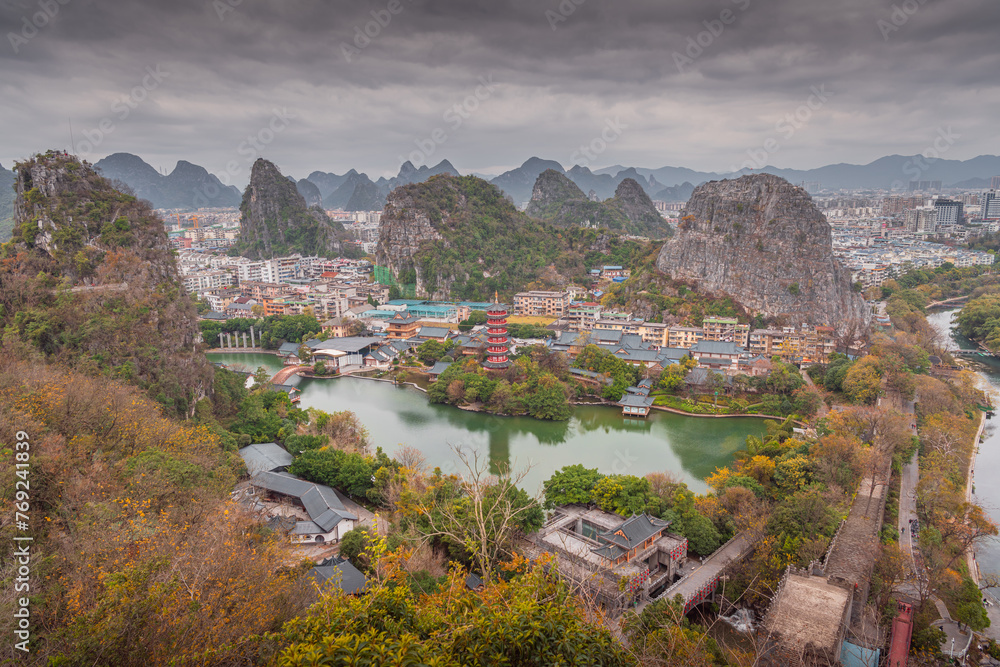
point(596, 436)
point(985, 477)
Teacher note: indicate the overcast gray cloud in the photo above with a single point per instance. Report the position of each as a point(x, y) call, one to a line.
point(691, 83)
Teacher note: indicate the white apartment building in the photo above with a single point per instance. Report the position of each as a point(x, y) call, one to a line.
point(203, 281)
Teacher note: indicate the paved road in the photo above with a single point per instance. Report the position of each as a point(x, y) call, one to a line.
point(908, 491)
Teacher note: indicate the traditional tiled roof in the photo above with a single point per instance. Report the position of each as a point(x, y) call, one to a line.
point(673, 353)
point(340, 572)
point(634, 341)
point(716, 347)
point(606, 336)
point(439, 367)
point(433, 332)
point(289, 348)
point(644, 356)
point(322, 505)
point(633, 531)
point(635, 401)
point(265, 457)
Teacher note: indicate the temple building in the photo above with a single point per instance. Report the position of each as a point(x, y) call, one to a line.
point(402, 327)
point(497, 342)
point(616, 560)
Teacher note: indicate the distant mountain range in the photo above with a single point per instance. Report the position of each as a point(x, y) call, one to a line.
point(560, 202)
point(189, 185)
point(357, 192)
point(884, 173)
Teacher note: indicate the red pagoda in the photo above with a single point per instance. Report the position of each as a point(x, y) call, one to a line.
point(498, 344)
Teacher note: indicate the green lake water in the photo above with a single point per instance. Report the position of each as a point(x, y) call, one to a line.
point(596, 436)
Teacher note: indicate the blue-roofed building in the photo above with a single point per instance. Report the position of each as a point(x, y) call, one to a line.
point(376, 314)
point(447, 313)
point(406, 302)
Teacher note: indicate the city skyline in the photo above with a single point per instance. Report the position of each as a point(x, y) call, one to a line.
point(711, 87)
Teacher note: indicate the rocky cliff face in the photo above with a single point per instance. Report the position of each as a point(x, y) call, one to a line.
point(405, 226)
point(90, 279)
point(459, 237)
point(276, 220)
point(557, 200)
point(6, 204)
point(760, 240)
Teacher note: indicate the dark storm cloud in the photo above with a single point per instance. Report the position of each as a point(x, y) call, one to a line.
point(691, 83)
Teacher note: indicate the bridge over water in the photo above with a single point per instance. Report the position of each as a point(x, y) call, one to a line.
point(700, 584)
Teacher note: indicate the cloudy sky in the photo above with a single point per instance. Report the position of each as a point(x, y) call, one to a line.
point(488, 83)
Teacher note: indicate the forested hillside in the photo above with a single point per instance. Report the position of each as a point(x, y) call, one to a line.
point(459, 237)
point(89, 280)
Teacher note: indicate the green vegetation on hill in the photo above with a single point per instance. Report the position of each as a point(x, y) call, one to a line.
point(944, 282)
point(654, 297)
point(489, 246)
point(533, 619)
point(558, 201)
point(277, 222)
point(622, 373)
point(89, 279)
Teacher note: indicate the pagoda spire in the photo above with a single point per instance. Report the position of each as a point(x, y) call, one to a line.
point(497, 341)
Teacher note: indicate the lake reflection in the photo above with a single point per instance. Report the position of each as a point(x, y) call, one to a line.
point(596, 436)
